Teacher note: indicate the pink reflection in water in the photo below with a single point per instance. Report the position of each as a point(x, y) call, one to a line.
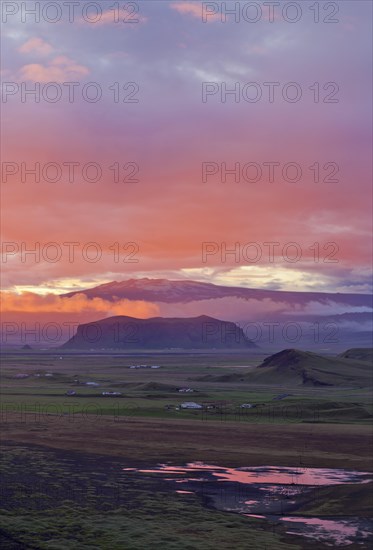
point(272, 475)
point(188, 479)
point(278, 482)
point(289, 476)
point(341, 532)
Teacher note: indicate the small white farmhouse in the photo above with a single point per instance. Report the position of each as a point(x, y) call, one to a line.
point(190, 405)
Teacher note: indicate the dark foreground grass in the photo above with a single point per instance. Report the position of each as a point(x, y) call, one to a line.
point(56, 496)
point(69, 500)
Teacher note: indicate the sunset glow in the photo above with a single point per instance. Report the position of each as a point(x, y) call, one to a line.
point(169, 212)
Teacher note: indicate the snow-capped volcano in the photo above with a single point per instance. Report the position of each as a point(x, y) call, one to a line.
point(184, 291)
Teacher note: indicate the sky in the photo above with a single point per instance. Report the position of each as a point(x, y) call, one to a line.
point(172, 135)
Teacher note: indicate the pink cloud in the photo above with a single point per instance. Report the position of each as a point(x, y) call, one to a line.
point(27, 311)
point(60, 69)
point(28, 302)
point(36, 45)
point(189, 8)
point(170, 212)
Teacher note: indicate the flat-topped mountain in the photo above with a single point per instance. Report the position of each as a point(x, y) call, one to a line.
point(123, 332)
point(323, 317)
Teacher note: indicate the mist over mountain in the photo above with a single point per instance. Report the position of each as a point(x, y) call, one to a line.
point(164, 290)
point(273, 319)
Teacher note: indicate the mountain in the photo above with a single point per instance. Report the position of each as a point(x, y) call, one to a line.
point(296, 368)
point(183, 291)
point(125, 333)
point(273, 319)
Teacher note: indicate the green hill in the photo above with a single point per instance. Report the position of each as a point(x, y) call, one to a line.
point(297, 368)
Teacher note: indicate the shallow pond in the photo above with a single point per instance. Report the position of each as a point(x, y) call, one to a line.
point(271, 493)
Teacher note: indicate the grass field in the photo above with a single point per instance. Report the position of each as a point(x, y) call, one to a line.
point(56, 441)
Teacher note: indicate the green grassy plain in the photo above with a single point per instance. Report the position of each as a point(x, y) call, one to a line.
point(147, 392)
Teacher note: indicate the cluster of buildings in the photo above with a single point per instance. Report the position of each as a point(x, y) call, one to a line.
point(206, 406)
point(71, 393)
point(191, 405)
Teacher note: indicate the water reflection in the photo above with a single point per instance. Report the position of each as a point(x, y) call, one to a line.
point(342, 532)
point(272, 475)
point(272, 493)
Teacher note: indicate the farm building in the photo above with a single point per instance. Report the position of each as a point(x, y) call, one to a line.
point(190, 405)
